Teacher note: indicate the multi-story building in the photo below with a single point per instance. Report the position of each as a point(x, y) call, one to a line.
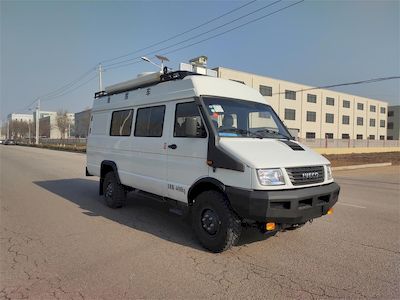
point(393, 123)
point(82, 122)
point(20, 117)
point(49, 127)
point(311, 112)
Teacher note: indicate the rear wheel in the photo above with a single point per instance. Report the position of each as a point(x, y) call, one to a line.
point(215, 224)
point(114, 192)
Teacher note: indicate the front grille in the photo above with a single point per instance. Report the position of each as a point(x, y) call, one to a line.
point(306, 175)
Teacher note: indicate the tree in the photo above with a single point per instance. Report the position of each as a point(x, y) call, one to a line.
point(63, 122)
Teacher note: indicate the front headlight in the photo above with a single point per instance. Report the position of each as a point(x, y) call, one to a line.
point(270, 176)
point(328, 172)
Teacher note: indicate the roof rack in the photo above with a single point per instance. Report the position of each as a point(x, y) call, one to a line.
point(142, 82)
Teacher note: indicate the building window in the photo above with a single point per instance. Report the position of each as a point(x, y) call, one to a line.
point(372, 108)
point(290, 114)
point(290, 95)
point(382, 137)
point(311, 116)
point(371, 137)
point(346, 103)
point(382, 123)
point(372, 122)
point(345, 120)
point(311, 98)
point(188, 122)
point(360, 106)
point(329, 118)
point(383, 110)
point(359, 136)
point(390, 138)
point(121, 123)
point(345, 136)
point(265, 90)
point(330, 101)
point(310, 135)
point(329, 135)
point(150, 121)
point(390, 125)
point(390, 113)
point(360, 121)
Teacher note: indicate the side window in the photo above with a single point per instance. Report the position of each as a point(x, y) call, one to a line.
point(121, 123)
point(150, 121)
point(188, 122)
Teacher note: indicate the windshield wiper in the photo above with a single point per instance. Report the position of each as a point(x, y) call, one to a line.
point(242, 132)
point(272, 132)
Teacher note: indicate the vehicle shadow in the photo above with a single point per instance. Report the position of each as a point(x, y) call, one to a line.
point(140, 213)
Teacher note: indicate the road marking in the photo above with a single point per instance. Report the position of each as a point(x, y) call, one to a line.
point(352, 205)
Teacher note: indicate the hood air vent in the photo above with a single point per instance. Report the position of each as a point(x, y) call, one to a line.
point(294, 146)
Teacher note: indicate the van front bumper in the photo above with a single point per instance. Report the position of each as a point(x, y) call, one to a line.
point(295, 206)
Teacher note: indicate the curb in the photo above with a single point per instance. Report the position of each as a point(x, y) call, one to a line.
point(353, 167)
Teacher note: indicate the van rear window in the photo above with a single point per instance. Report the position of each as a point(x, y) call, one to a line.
point(121, 123)
point(150, 121)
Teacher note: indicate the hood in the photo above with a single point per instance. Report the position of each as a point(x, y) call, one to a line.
point(271, 153)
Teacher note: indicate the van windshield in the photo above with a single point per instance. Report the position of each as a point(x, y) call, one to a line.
point(243, 118)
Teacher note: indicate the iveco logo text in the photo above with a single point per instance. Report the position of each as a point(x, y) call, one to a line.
point(310, 175)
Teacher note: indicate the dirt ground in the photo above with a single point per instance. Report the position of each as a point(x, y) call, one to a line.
point(338, 160)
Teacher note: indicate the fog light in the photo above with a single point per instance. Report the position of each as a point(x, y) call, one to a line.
point(270, 226)
point(330, 211)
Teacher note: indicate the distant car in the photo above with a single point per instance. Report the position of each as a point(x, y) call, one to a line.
point(9, 142)
point(1, 141)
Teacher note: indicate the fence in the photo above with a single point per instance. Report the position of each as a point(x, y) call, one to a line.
point(347, 143)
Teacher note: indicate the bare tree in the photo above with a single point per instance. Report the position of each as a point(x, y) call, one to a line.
point(63, 122)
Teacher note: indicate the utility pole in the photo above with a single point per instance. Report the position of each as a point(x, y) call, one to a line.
point(29, 130)
point(37, 122)
point(8, 129)
point(100, 78)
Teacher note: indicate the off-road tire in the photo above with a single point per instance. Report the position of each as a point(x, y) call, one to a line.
point(229, 224)
point(114, 193)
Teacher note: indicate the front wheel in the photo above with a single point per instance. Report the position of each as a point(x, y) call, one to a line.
point(215, 224)
point(114, 192)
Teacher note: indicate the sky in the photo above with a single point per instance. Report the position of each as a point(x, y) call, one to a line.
point(46, 45)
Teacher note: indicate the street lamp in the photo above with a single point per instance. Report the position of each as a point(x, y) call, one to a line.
point(161, 58)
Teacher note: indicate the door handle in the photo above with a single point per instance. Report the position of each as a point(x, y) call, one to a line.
point(172, 146)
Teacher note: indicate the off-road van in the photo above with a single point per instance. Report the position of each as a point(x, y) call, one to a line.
point(210, 146)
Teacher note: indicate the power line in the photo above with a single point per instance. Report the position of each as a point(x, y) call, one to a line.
point(68, 85)
point(234, 28)
point(70, 91)
point(345, 84)
point(182, 33)
point(200, 34)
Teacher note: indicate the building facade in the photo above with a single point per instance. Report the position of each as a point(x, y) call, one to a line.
point(393, 126)
point(314, 113)
point(20, 117)
point(82, 123)
point(49, 127)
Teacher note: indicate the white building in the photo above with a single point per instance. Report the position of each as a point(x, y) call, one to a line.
point(20, 117)
point(318, 113)
point(48, 125)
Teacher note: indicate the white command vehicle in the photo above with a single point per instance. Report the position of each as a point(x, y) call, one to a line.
point(209, 146)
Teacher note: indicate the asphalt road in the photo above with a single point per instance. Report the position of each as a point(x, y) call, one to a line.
point(59, 240)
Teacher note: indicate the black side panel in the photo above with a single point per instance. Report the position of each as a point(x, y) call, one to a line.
point(216, 156)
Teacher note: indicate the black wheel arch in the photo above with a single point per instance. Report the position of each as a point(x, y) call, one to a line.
point(107, 166)
point(203, 184)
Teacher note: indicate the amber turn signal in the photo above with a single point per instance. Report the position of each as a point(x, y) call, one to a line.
point(270, 226)
point(330, 211)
